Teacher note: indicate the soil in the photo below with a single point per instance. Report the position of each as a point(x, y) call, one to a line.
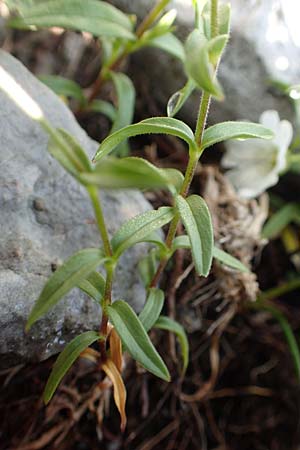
point(240, 390)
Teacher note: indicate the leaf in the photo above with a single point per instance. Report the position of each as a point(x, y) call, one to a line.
point(234, 130)
point(229, 260)
point(65, 278)
point(103, 107)
point(115, 347)
point(131, 172)
point(166, 323)
point(139, 227)
point(178, 99)
point(199, 64)
point(93, 16)
point(152, 309)
point(196, 218)
point(224, 18)
point(65, 360)
point(136, 340)
point(93, 286)
point(158, 125)
point(67, 151)
point(124, 113)
point(280, 220)
point(64, 87)
point(147, 266)
point(170, 44)
point(289, 335)
point(119, 389)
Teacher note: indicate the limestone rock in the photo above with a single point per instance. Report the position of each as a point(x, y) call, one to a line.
point(45, 216)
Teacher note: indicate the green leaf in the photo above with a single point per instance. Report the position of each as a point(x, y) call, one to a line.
point(170, 44)
point(234, 130)
point(136, 340)
point(152, 309)
point(65, 87)
point(132, 172)
point(65, 278)
point(68, 153)
point(139, 227)
point(229, 260)
point(166, 323)
point(103, 107)
point(196, 218)
point(124, 113)
point(279, 220)
point(289, 335)
point(157, 125)
point(147, 266)
point(200, 65)
point(224, 18)
point(96, 17)
point(93, 285)
point(178, 99)
point(66, 359)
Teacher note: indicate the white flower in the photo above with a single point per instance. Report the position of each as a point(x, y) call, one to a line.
point(255, 164)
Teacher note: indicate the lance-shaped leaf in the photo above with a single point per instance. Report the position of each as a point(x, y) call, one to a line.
point(234, 130)
point(139, 227)
point(147, 266)
point(166, 323)
point(125, 107)
point(119, 389)
point(136, 340)
point(103, 107)
point(154, 125)
point(220, 255)
point(93, 286)
point(96, 17)
point(169, 43)
point(229, 260)
point(65, 360)
point(152, 309)
point(201, 61)
point(132, 172)
point(64, 87)
point(65, 278)
point(178, 99)
point(67, 151)
point(279, 220)
point(196, 218)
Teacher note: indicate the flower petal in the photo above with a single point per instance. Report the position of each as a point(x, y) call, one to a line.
point(270, 119)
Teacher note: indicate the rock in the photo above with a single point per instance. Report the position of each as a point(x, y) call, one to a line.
point(45, 217)
point(260, 48)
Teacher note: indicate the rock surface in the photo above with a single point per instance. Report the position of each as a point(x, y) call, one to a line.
point(261, 47)
point(45, 216)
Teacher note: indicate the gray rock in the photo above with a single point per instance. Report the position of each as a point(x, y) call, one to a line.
point(261, 47)
point(45, 217)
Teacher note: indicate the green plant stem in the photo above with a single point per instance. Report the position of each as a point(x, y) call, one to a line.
point(193, 157)
point(93, 192)
point(116, 59)
point(279, 290)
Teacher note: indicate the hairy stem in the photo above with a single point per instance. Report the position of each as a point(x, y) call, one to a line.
point(193, 158)
point(93, 192)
